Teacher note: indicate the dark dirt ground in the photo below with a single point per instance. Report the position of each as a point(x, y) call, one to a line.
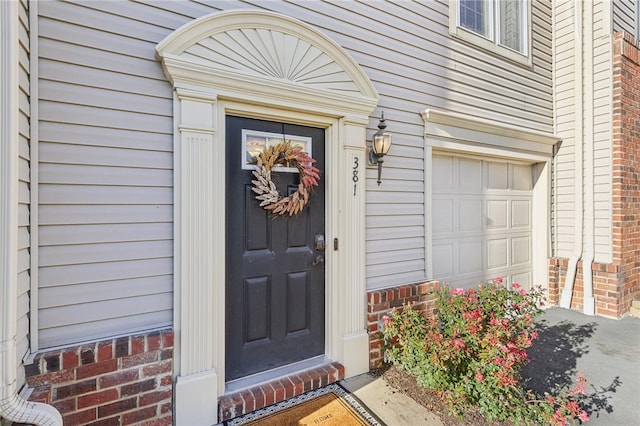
point(406, 384)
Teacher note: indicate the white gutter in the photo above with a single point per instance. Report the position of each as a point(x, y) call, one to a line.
point(12, 407)
point(588, 257)
point(578, 141)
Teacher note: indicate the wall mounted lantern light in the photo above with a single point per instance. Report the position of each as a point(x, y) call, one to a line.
point(380, 144)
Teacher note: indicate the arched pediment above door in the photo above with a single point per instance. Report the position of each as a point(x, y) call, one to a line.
point(264, 52)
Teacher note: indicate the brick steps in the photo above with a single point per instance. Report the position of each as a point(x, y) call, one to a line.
point(247, 400)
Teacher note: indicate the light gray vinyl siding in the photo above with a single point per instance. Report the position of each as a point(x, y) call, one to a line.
point(625, 16)
point(602, 142)
point(105, 105)
point(105, 170)
point(563, 217)
point(563, 228)
point(24, 194)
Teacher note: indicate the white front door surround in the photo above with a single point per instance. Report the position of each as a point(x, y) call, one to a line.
point(298, 76)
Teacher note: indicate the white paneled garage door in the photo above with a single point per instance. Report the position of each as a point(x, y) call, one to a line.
point(481, 221)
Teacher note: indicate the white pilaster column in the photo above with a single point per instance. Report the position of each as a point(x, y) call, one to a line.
point(352, 285)
point(196, 267)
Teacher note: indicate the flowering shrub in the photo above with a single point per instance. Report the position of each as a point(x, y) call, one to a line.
point(473, 351)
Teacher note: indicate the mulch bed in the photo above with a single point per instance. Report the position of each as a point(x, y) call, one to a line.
point(406, 384)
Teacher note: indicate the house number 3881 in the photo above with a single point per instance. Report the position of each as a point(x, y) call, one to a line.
point(355, 175)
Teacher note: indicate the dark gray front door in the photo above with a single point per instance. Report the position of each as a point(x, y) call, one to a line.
point(274, 291)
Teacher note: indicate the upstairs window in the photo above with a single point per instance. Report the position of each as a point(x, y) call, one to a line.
point(501, 26)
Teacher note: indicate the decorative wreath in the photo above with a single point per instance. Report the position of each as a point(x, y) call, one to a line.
point(284, 154)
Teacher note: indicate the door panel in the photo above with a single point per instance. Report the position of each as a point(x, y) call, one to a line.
point(274, 292)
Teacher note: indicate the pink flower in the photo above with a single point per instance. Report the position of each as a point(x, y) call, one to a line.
point(584, 417)
point(499, 280)
point(458, 291)
point(479, 377)
point(515, 285)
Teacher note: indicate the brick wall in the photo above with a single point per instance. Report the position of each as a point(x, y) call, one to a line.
point(121, 381)
point(380, 302)
point(616, 284)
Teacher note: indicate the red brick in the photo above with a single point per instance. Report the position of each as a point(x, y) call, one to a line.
point(87, 354)
point(279, 391)
point(74, 389)
point(229, 407)
point(96, 369)
point(58, 377)
point(154, 341)
point(97, 398)
point(81, 417)
point(166, 380)
point(167, 339)
point(137, 344)
point(116, 407)
point(41, 394)
point(105, 351)
point(111, 421)
point(156, 369)
point(70, 359)
point(154, 397)
point(118, 378)
point(287, 385)
point(139, 415)
point(162, 421)
point(65, 406)
point(139, 359)
point(248, 401)
point(138, 387)
point(269, 394)
point(166, 408)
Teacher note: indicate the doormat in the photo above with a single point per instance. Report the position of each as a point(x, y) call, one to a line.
point(328, 406)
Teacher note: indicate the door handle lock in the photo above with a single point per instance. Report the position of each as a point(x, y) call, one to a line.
point(319, 260)
point(319, 243)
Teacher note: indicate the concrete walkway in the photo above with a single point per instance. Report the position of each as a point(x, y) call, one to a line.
point(606, 350)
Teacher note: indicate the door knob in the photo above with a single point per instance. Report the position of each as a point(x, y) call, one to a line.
point(319, 260)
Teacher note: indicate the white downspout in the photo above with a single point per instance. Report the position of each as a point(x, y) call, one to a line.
point(12, 407)
point(578, 139)
point(588, 257)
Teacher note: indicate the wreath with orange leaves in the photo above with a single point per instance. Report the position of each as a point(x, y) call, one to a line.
point(288, 155)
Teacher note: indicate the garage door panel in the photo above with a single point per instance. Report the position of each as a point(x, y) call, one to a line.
point(443, 260)
point(470, 215)
point(522, 178)
point(497, 253)
point(470, 257)
point(497, 175)
point(497, 214)
point(442, 216)
point(522, 278)
point(521, 214)
point(520, 250)
point(470, 176)
point(443, 173)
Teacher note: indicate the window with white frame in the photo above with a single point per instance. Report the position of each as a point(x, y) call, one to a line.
point(501, 26)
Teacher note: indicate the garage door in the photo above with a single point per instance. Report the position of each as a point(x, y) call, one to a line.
point(481, 221)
